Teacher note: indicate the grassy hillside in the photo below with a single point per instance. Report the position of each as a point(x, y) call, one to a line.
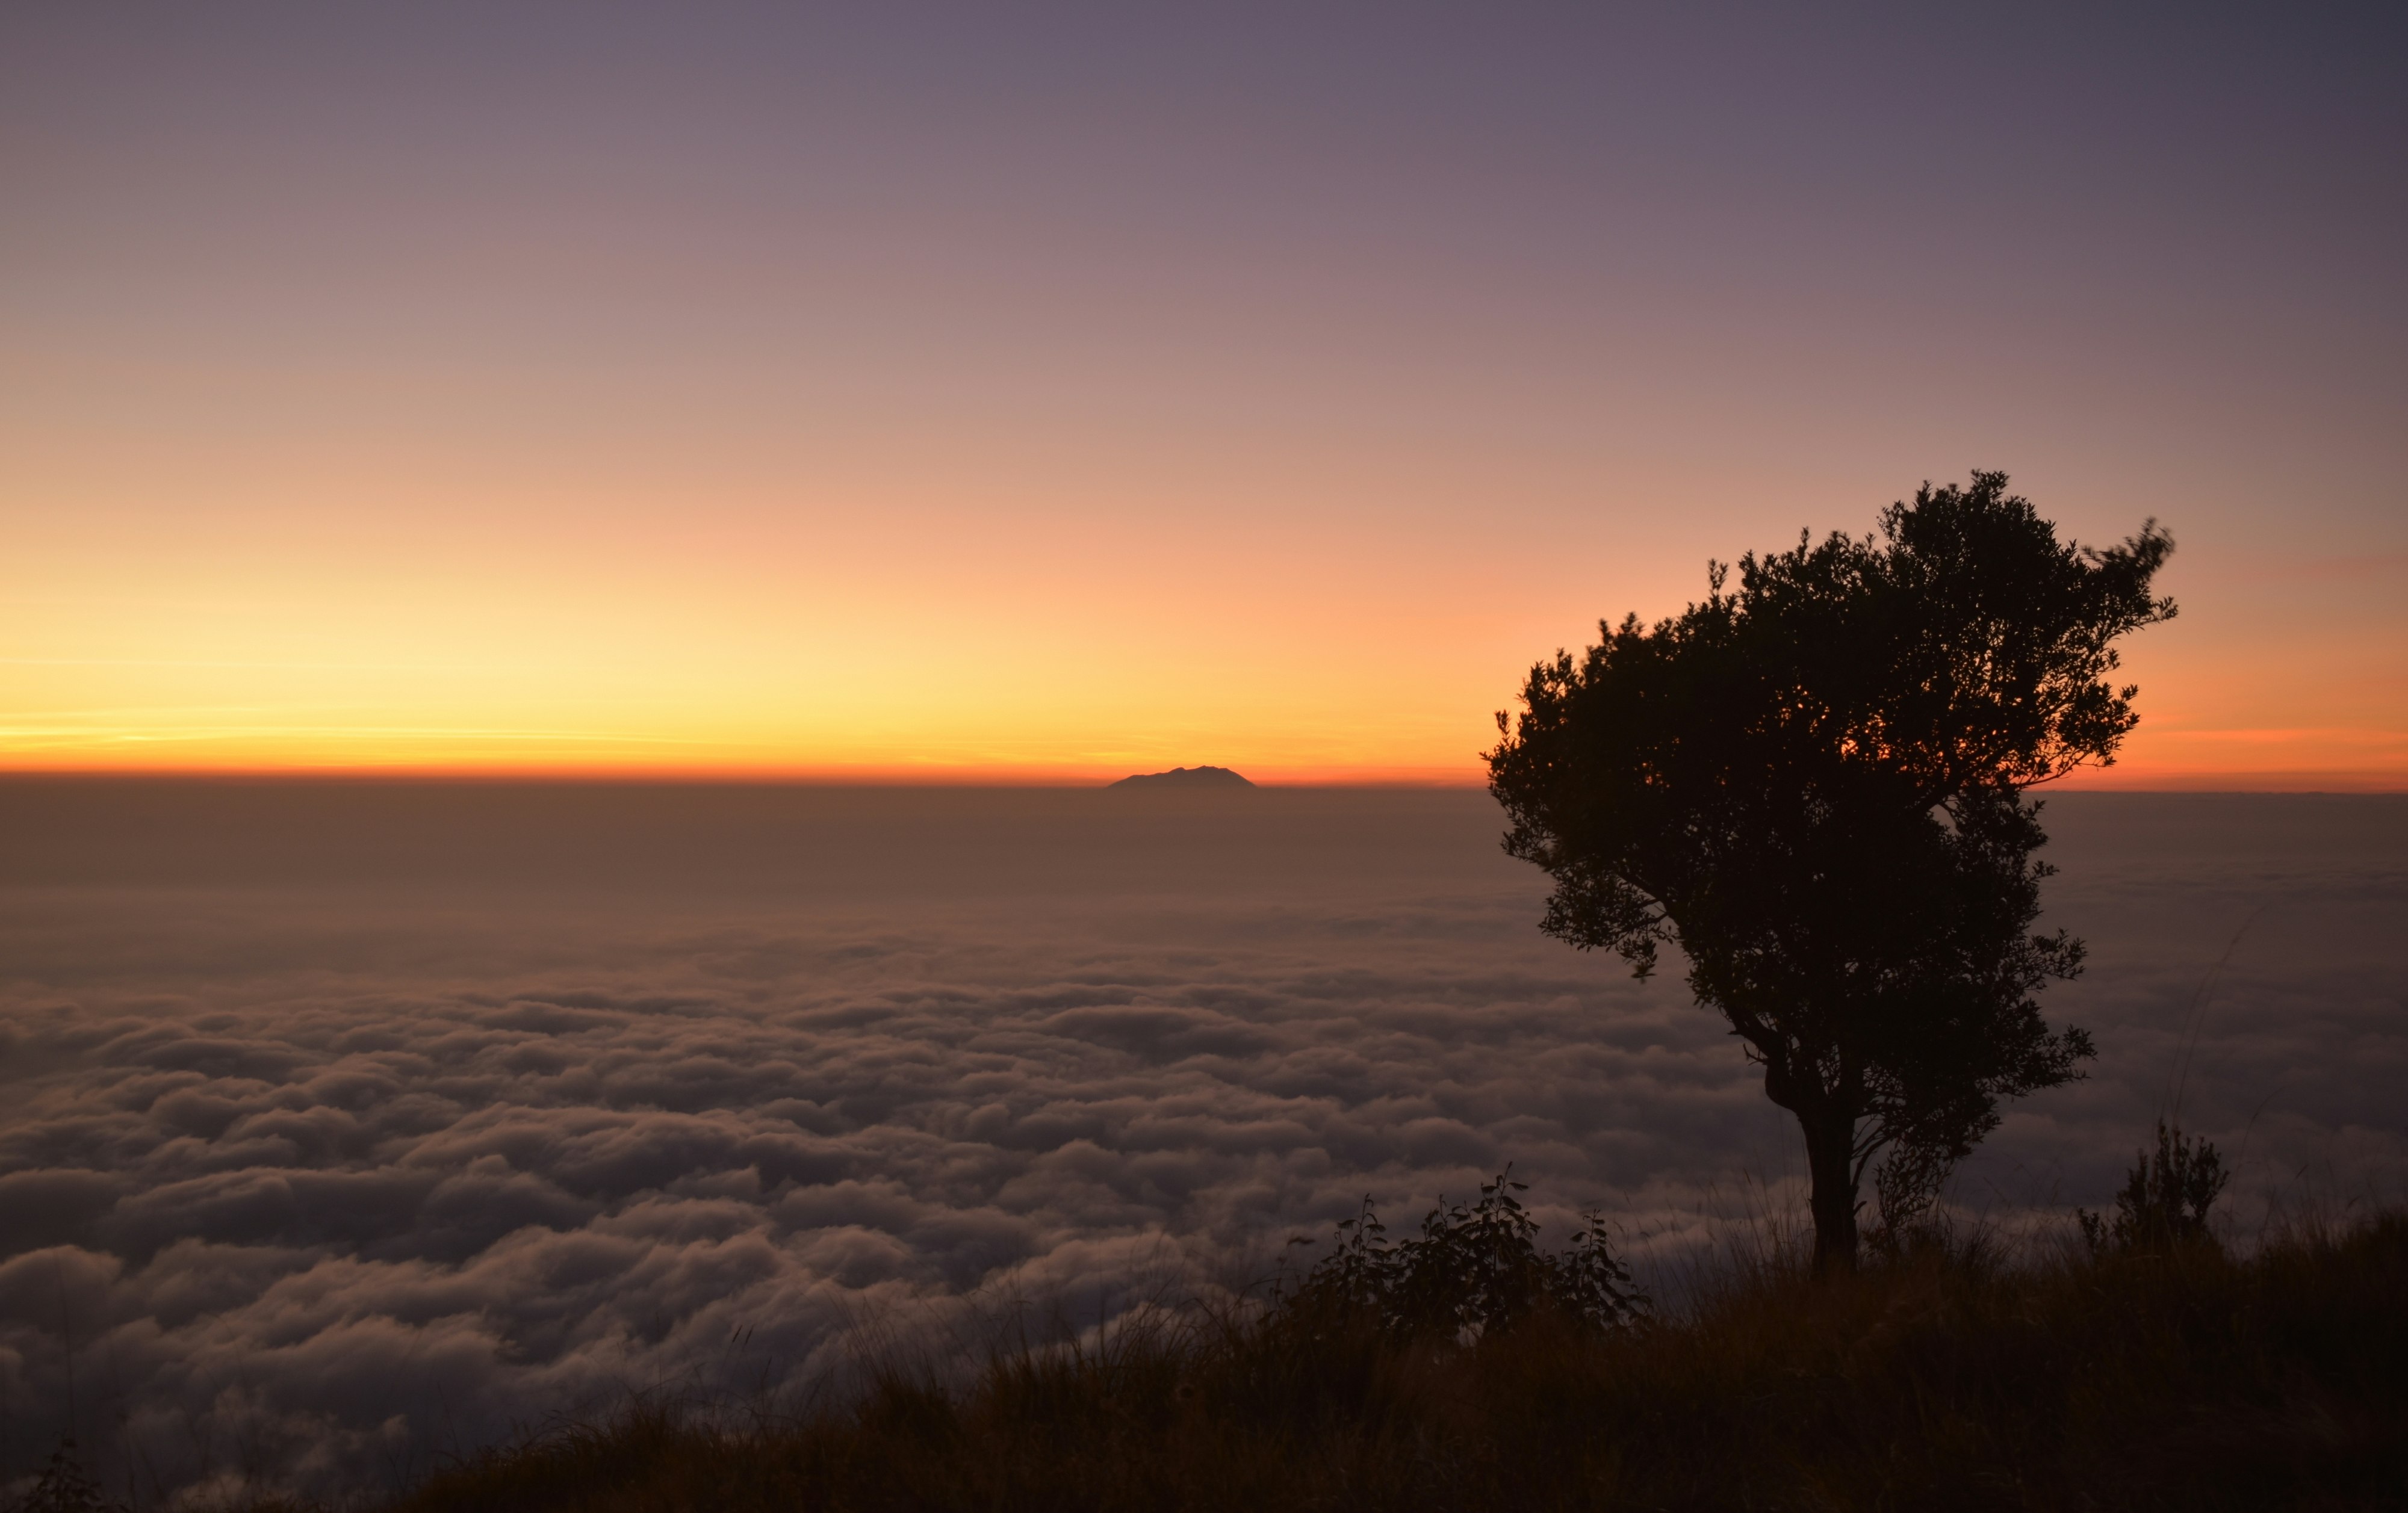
point(1941, 1379)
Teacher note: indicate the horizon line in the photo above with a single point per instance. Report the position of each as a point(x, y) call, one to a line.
point(695, 778)
point(2086, 781)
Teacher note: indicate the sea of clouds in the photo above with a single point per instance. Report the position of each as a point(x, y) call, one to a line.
point(346, 1127)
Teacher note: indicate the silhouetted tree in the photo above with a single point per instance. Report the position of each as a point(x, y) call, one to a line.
point(1812, 785)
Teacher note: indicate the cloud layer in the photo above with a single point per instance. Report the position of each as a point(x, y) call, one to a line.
point(328, 1147)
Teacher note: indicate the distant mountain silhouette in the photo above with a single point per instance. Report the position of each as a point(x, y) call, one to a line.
point(1185, 778)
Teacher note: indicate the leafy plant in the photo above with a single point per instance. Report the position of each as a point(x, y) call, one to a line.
point(64, 1487)
point(2165, 1199)
point(1474, 1268)
point(1906, 1187)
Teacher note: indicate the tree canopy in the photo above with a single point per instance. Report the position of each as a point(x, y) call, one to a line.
point(1813, 786)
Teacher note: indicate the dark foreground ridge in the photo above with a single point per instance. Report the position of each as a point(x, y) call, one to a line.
point(1940, 1376)
point(1185, 778)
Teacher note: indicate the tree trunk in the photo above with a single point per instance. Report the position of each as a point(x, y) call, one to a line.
point(1830, 1121)
point(1830, 1158)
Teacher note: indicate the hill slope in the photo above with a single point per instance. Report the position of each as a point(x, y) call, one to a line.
point(1942, 1379)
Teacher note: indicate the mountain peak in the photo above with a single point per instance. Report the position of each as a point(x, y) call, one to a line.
point(1185, 778)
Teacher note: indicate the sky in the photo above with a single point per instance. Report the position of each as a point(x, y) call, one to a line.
point(1041, 393)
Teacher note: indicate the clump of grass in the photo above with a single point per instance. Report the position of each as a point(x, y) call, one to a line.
point(1942, 1374)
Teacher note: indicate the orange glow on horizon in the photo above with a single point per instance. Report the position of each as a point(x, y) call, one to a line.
point(715, 400)
point(1013, 647)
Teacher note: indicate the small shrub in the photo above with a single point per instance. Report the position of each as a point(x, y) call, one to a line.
point(1906, 1189)
point(64, 1487)
point(2165, 1199)
point(1474, 1268)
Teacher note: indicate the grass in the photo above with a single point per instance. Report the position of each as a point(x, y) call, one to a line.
point(1945, 1377)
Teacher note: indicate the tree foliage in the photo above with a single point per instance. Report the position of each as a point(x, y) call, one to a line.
point(1811, 785)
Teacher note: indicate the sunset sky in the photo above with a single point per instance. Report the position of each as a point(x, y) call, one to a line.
point(1038, 393)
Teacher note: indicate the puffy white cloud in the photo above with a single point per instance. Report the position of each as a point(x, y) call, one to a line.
point(323, 1174)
